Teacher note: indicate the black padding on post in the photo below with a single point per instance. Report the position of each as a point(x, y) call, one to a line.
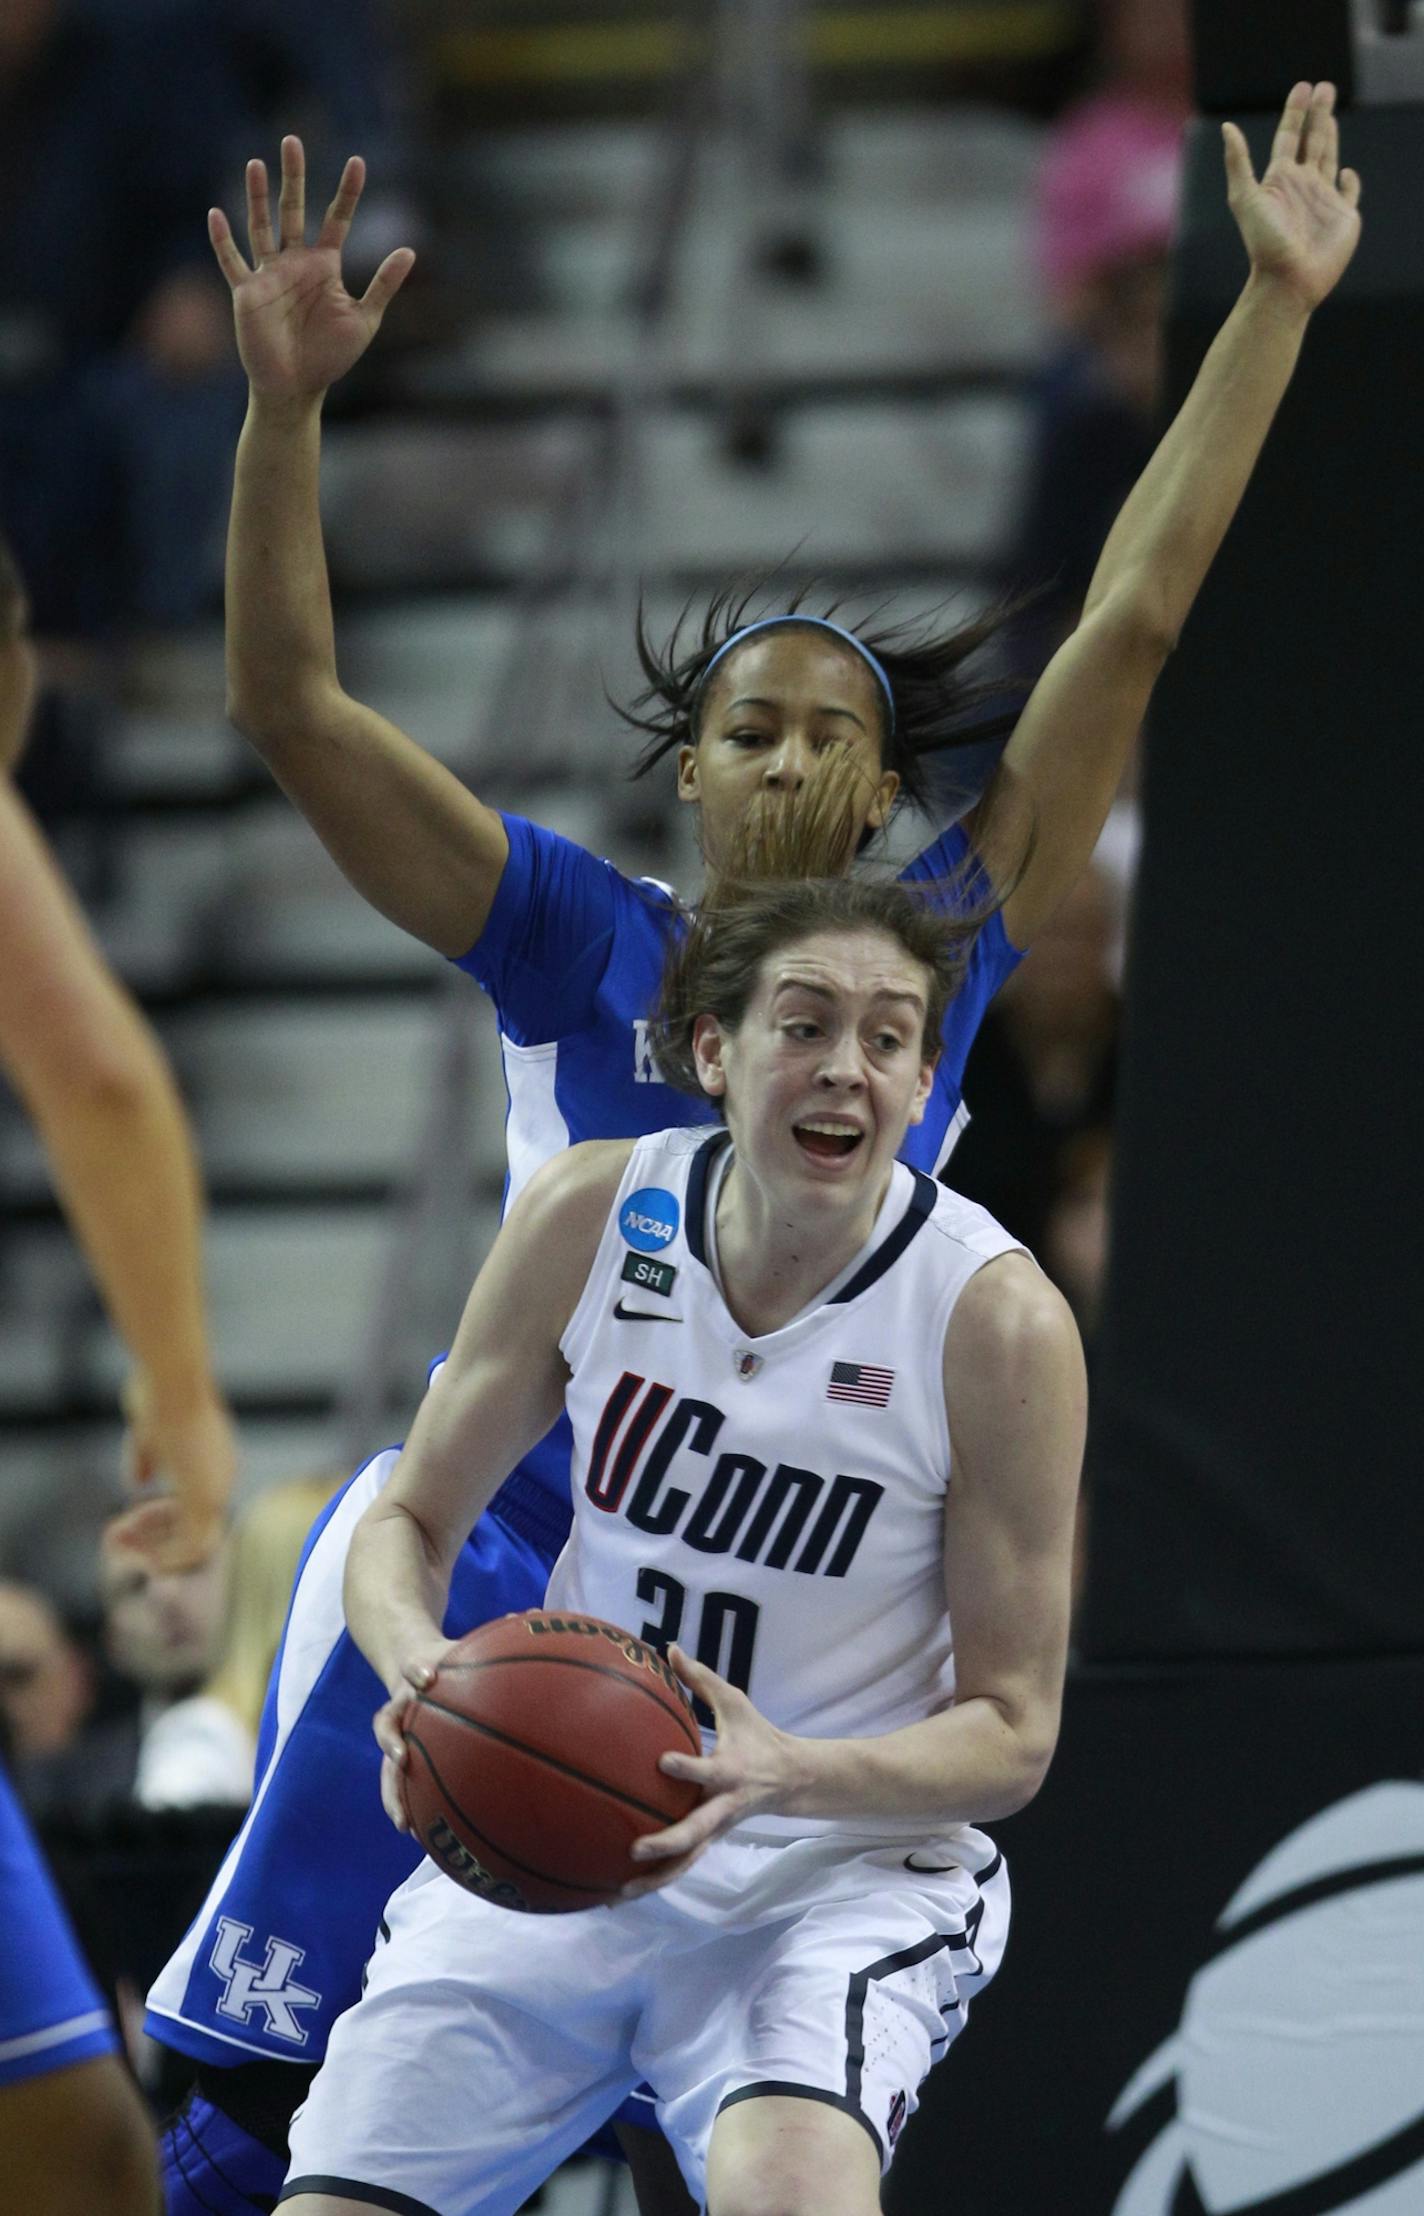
point(1258, 1414)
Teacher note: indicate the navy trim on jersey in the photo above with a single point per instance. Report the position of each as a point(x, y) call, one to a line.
point(775, 2089)
point(378, 2196)
point(911, 1224)
point(696, 1226)
point(892, 1246)
point(860, 1983)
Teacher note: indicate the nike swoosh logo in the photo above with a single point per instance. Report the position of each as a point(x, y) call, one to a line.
point(642, 1315)
point(930, 1869)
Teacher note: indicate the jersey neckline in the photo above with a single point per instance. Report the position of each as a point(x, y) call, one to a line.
point(924, 1192)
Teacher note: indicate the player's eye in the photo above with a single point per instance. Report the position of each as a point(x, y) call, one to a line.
point(748, 738)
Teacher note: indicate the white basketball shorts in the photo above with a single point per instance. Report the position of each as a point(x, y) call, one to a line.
point(488, 2045)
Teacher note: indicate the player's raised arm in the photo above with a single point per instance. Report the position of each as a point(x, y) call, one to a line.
point(103, 1100)
point(499, 1392)
point(407, 833)
point(1300, 225)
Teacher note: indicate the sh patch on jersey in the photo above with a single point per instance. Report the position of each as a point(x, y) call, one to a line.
point(653, 1277)
point(648, 1219)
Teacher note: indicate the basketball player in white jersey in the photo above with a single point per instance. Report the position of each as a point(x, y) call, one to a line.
point(831, 1446)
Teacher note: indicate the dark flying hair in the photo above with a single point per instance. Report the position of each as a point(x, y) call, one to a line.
point(934, 702)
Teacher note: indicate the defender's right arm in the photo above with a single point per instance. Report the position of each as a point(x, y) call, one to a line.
point(409, 836)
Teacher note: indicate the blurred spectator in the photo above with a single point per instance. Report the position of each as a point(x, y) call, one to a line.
point(119, 395)
point(46, 1685)
point(161, 1633)
point(1075, 1240)
point(1041, 1071)
point(1107, 206)
point(1145, 45)
point(65, 1747)
point(202, 1749)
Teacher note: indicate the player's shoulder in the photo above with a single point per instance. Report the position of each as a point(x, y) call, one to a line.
point(961, 1223)
point(576, 1188)
point(1009, 1322)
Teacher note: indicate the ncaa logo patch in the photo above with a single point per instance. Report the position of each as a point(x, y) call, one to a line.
point(648, 1219)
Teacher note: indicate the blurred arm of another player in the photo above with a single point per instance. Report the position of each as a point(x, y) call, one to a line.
point(1300, 225)
point(411, 838)
point(1016, 1395)
point(95, 1082)
point(500, 1391)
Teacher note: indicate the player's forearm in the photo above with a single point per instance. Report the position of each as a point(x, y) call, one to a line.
point(122, 1158)
point(396, 1588)
point(281, 647)
point(1172, 523)
point(968, 1765)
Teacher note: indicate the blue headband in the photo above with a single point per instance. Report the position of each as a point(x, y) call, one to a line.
point(818, 623)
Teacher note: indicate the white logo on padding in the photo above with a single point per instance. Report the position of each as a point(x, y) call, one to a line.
point(1299, 2061)
point(266, 1985)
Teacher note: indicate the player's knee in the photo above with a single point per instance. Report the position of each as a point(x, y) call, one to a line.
point(790, 2158)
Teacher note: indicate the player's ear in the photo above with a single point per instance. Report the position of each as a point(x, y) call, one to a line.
point(922, 1091)
point(689, 785)
point(708, 1042)
point(886, 787)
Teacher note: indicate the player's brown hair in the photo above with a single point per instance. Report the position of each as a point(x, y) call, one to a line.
point(784, 882)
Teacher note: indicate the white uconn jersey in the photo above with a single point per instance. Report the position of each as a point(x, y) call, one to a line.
point(774, 1504)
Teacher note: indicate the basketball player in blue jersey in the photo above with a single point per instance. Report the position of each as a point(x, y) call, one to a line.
point(74, 2136)
point(845, 1479)
point(569, 951)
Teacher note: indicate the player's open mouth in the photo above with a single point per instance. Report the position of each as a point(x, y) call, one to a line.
point(828, 1138)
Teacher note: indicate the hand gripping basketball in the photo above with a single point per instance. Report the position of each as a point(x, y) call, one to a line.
point(532, 1759)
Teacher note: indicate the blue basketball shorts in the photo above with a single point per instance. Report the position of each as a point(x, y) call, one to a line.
point(51, 2013)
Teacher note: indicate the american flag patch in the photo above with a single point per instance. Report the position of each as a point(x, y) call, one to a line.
point(860, 1381)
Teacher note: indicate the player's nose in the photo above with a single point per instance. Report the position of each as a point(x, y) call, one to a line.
point(789, 763)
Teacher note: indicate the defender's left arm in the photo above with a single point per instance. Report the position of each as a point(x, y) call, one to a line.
point(1058, 775)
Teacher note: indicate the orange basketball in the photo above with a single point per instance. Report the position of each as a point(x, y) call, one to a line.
point(532, 1760)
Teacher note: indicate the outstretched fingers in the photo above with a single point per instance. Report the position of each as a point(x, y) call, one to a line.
point(1290, 131)
point(337, 220)
point(388, 280)
point(292, 207)
point(224, 245)
point(1240, 176)
point(1320, 143)
point(261, 239)
point(1350, 187)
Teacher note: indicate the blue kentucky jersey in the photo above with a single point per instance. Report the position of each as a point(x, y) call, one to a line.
point(572, 956)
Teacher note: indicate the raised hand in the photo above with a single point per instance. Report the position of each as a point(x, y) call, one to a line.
point(1300, 221)
point(190, 1447)
point(298, 328)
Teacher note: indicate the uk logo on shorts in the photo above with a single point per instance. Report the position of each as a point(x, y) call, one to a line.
point(895, 2121)
point(267, 1986)
point(649, 1219)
